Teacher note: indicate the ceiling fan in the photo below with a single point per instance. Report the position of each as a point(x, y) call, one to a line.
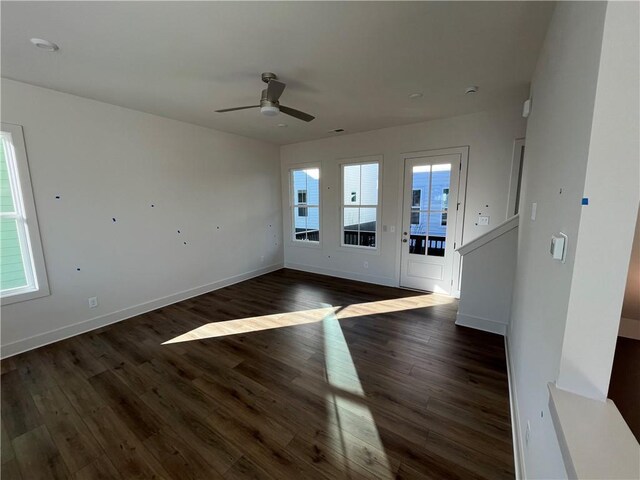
point(269, 104)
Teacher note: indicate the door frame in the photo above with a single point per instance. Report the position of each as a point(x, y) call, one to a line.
point(515, 181)
point(463, 152)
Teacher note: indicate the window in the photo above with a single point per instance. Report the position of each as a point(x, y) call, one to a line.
point(360, 204)
point(305, 205)
point(22, 274)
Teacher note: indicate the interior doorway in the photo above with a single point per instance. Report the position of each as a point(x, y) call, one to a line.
point(432, 219)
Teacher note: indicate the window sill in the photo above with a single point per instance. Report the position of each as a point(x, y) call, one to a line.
point(359, 249)
point(24, 296)
point(301, 243)
point(594, 439)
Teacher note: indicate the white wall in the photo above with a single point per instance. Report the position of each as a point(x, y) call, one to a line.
point(489, 135)
point(105, 161)
point(613, 187)
point(571, 153)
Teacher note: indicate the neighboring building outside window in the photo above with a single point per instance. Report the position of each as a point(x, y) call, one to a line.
point(22, 269)
point(360, 204)
point(305, 205)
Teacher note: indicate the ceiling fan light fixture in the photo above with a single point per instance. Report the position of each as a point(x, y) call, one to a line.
point(45, 44)
point(269, 110)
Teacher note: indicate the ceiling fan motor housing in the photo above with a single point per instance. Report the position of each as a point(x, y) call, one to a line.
point(267, 76)
point(268, 107)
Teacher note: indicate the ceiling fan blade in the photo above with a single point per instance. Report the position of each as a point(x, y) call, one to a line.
point(274, 90)
point(296, 113)
point(236, 108)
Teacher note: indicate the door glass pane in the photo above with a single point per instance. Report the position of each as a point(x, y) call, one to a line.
point(437, 234)
point(440, 181)
point(420, 193)
point(13, 274)
point(369, 184)
point(418, 233)
point(351, 185)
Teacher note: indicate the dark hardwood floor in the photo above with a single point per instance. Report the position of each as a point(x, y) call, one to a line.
point(624, 386)
point(362, 381)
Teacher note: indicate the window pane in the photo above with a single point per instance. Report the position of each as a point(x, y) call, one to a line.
point(300, 222)
point(6, 200)
point(313, 223)
point(437, 235)
point(368, 219)
point(306, 201)
point(313, 186)
point(368, 227)
point(351, 218)
point(351, 185)
point(11, 265)
point(299, 179)
point(420, 194)
point(440, 187)
point(369, 184)
point(367, 239)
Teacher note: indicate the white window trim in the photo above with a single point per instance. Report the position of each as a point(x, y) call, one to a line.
point(361, 161)
point(35, 269)
point(292, 240)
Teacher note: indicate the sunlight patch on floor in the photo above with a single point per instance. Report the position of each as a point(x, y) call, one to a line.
point(346, 397)
point(302, 317)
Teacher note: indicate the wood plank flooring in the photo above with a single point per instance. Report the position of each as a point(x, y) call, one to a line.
point(327, 378)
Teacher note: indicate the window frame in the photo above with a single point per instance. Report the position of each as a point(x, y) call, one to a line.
point(28, 230)
point(361, 161)
point(292, 205)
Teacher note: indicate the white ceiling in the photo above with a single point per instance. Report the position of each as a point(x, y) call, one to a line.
point(351, 64)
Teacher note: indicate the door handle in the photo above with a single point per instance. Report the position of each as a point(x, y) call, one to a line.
point(404, 240)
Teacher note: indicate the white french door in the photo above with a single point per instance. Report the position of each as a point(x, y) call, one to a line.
point(432, 217)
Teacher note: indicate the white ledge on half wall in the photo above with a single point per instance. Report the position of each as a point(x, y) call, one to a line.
point(594, 438)
point(499, 230)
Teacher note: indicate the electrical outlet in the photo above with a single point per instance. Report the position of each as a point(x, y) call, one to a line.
point(483, 220)
point(261, 258)
point(93, 302)
point(366, 264)
point(527, 434)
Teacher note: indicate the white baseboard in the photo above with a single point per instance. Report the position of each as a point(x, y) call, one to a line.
point(479, 323)
point(360, 277)
point(518, 450)
point(629, 328)
point(84, 326)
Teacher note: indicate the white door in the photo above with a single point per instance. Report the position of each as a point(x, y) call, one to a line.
point(432, 220)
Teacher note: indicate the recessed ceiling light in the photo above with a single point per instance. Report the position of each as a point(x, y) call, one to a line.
point(471, 89)
point(282, 125)
point(45, 44)
point(415, 95)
